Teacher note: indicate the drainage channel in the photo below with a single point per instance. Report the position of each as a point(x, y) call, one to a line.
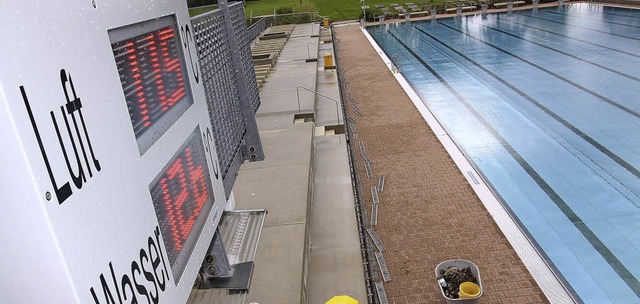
point(369, 241)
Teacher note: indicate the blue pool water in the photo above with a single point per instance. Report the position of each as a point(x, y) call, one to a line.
point(547, 105)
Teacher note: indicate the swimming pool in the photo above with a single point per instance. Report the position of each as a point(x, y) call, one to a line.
point(547, 106)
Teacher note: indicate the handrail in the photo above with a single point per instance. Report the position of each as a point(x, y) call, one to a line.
point(309, 52)
point(318, 93)
point(313, 20)
point(396, 67)
point(318, 15)
point(255, 29)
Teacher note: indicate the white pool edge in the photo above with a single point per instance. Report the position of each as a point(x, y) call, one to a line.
point(541, 272)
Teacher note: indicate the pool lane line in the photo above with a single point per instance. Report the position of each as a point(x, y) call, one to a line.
point(617, 13)
point(578, 86)
point(559, 51)
point(602, 21)
point(568, 37)
point(553, 284)
point(542, 107)
point(593, 239)
point(585, 28)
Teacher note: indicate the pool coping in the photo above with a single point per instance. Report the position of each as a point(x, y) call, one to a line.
point(554, 287)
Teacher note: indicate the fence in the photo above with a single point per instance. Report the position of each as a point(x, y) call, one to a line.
point(257, 28)
point(230, 86)
point(291, 18)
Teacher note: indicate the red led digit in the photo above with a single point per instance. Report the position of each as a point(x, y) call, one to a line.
point(184, 195)
point(138, 90)
point(182, 198)
point(198, 184)
point(173, 201)
point(165, 58)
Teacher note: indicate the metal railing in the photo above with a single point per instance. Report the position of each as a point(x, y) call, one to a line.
point(291, 18)
point(318, 16)
point(257, 28)
point(231, 91)
point(308, 51)
point(337, 102)
point(396, 63)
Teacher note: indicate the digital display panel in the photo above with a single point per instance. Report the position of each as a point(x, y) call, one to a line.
point(182, 197)
point(150, 64)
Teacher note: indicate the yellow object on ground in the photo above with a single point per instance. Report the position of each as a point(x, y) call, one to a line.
point(328, 60)
point(342, 300)
point(326, 21)
point(469, 290)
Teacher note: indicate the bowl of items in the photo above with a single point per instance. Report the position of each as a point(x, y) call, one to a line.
point(459, 281)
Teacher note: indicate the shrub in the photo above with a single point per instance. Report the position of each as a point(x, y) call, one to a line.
point(370, 14)
point(284, 10)
point(305, 6)
point(299, 13)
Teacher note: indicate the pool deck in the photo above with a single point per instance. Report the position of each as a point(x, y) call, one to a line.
point(428, 212)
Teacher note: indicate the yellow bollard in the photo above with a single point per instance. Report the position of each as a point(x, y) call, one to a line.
point(469, 290)
point(325, 21)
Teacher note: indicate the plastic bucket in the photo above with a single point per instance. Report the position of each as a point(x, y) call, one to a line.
point(460, 264)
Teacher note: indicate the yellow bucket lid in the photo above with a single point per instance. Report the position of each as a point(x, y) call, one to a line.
point(469, 290)
point(342, 300)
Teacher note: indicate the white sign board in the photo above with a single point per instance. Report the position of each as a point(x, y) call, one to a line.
point(110, 183)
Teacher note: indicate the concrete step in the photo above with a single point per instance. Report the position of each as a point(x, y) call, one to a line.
point(335, 263)
point(309, 250)
point(282, 183)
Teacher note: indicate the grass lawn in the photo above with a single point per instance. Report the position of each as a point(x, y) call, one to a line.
point(265, 7)
point(337, 10)
point(201, 10)
point(259, 7)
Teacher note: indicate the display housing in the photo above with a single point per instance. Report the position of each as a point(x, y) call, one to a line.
point(182, 197)
point(151, 67)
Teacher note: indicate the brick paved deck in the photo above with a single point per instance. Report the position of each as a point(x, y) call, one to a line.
point(428, 213)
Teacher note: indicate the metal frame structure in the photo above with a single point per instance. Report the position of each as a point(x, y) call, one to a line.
point(223, 43)
point(256, 28)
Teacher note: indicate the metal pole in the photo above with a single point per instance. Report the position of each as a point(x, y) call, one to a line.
point(252, 137)
point(309, 52)
point(364, 10)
